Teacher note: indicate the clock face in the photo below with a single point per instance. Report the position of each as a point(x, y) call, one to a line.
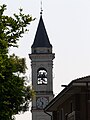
point(42, 102)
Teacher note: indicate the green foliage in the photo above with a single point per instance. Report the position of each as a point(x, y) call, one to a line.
point(13, 28)
point(15, 96)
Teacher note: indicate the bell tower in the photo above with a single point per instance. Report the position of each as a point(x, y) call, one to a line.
point(42, 72)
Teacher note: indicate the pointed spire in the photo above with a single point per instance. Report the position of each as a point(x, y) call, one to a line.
point(41, 37)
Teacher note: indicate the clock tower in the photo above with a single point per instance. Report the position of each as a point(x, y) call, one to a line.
point(42, 72)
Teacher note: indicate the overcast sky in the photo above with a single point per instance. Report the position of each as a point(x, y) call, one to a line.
point(68, 26)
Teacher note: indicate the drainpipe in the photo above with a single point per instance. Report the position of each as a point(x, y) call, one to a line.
point(86, 100)
point(48, 114)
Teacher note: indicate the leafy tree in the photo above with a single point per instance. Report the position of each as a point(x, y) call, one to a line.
point(14, 94)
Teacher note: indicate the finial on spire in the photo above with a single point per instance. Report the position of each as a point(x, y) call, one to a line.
point(41, 8)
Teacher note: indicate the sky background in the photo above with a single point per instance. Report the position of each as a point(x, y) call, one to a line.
point(68, 26)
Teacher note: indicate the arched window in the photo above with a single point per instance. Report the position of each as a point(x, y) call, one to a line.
point(42, 76)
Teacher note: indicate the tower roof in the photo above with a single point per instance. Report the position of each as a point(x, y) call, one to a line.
point(41, 37)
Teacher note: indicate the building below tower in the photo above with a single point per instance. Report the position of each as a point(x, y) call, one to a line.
point(73, 102)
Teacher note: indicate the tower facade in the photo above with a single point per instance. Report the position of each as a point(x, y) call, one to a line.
point(42, 72)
